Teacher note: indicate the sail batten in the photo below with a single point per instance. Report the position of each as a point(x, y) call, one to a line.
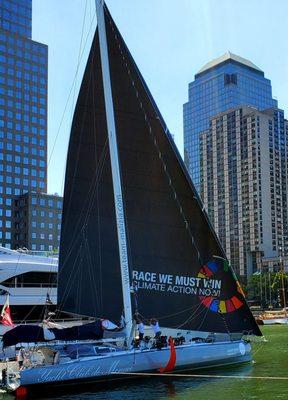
point(176, 260)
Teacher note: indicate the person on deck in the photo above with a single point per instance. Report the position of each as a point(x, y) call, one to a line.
point(156, 328)
point(20, 358)
point(140, 327)
point(122, 322)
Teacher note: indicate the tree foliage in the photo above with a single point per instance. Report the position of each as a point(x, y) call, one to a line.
point(266, 288)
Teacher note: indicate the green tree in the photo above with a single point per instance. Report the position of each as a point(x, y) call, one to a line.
point(266, 288)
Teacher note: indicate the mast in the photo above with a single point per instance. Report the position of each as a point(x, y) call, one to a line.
point(282, 269)
point(117, 189)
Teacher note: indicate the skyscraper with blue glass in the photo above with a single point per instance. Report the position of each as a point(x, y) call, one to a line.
point(23, 110)
point(224, 83)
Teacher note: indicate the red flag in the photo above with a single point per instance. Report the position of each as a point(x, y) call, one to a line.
point(5, 314)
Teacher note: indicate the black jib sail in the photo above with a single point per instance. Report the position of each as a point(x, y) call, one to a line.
point(176, 261)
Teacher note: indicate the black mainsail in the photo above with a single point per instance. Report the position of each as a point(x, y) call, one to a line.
point(176, 261)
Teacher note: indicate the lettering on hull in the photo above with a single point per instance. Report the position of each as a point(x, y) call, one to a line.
point(77, 372)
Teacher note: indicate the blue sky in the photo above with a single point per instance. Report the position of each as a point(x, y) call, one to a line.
point(169, 40)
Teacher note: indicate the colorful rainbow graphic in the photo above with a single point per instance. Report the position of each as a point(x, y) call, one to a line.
point(216, 305)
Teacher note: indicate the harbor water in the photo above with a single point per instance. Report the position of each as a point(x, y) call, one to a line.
point(259, 381)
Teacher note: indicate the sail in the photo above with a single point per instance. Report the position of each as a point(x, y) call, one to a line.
point(176, 261)
point(89, 281)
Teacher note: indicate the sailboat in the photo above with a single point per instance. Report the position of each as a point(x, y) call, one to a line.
point(135, 240)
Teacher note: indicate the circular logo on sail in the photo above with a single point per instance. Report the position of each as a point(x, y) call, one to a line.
point(231, 296)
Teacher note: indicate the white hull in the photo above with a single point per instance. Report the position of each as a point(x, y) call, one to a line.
point(112, 364)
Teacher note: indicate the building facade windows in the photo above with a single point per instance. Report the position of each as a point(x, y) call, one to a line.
point(234, 165)
point(23, 79)
point(43, 231)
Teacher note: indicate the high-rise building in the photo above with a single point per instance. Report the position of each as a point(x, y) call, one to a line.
point(23, 110)
point(243, 183)
point(37, 221)
point(227, 82)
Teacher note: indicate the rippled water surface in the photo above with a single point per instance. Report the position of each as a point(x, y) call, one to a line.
point(271, 360)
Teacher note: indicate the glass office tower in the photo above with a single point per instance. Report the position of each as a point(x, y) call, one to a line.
point(225, 83)
point(23, 110)
point(243, 184)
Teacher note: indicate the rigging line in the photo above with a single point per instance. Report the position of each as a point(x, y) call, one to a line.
point(261, 344)
point(80, 273)
point(91, 7)
point(77, 229)
point(32, 309)
point(74, 83)
point(173, 314)
point(90, 195)
point(29, 313)
point(180, 312)
point(160, 156)
point(224, 321)
point(90, 207)
point(42, 314)
point(94, 106)
point(17, 263)
point(70, 281)
point(70, 93)
point(92, 282)
point(193, 309)
point(100, 253)
point(77, 158)
point(94, 189)
point(189, 319)
point(202, 322)
point(68, 284)
point(182, 375)
point(51, 278)
point(79, 54)
point(77, 155)
point(192, 317)
point(97, 202)
point(96, 195)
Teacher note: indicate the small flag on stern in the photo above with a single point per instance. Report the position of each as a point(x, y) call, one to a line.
point(6, 314)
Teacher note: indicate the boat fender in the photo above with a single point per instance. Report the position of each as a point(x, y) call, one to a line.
point(21, 393)
point(48, 335)
point(172, 360)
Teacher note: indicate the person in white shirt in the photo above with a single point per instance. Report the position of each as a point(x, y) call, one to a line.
point(140, 327)
point(20, 358)
point(156, 328)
